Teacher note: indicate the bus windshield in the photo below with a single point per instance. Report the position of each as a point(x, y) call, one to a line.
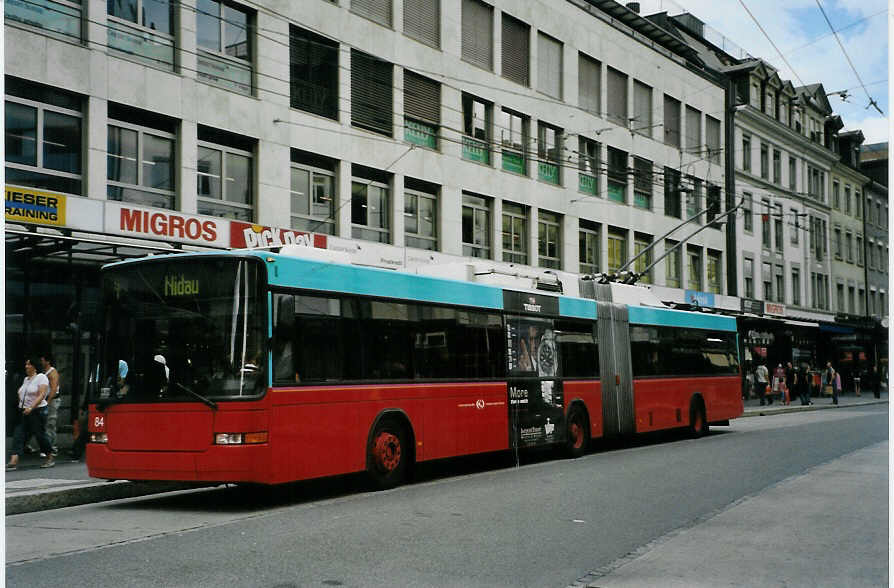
point(183, 329)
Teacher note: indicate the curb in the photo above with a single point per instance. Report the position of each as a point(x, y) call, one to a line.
point(812, 407)
point(85, 493)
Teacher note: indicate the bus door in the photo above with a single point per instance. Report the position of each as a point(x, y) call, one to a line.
point(536, 404)
point(618, 416)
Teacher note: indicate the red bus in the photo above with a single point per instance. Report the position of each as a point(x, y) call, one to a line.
point(270, 368)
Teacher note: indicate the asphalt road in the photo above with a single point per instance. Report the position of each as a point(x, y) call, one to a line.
point(547, 522)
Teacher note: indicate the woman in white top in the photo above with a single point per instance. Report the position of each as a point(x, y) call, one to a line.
point(33, 406)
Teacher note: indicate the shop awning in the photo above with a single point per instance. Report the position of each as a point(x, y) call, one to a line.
point(801, 323)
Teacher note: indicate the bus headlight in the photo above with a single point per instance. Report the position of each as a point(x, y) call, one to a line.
point(99, 438)
point(240, 438)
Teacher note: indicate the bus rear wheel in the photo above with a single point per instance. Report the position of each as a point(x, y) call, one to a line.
point(698, 421)
point(387, 454)
point(577, 432)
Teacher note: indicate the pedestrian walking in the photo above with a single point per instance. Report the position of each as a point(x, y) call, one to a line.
point(33, 420)
point(54, 399)
point(762, 377)
point(779, 383)
point(831, 381)
point(874, 382)
point(802, 384)
point(790, 377)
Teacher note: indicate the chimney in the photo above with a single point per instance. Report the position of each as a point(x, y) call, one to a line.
point(633, 6)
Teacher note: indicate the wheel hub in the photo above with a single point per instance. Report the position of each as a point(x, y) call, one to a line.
point(387, 452)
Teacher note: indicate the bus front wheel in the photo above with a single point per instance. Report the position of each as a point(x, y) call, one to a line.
point(387, 454)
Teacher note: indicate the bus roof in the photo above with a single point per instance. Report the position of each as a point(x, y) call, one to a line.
point(327, 276)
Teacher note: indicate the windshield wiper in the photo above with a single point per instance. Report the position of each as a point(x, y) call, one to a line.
point(207, 401)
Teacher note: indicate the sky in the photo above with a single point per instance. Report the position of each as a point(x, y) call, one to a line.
point(802, 35)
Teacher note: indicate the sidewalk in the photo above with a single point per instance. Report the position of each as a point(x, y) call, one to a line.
point(30, 488)
point(826, 527)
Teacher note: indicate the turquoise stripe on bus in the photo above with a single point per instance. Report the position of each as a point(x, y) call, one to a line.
point(365, 281)
point(643, 315)
point(577, 307)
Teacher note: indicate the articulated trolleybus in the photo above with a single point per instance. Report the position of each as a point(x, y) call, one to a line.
point(261, 367)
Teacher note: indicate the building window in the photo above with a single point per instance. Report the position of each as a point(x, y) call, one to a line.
point(548, 240)
point(765, 224)
point(858, 205)
point(642, 183)
point(796, 286)
point(513, 139)
point(671, 121)
point(765, 161)
point(712, 138)
point(837, 247)
point(861, 302)
point(313, 73)
point(143, 29)
point(476, 226)
point(715, 272)
point(746, 153)
point(849, 247)
point(642, 241)
point(792, 174)
point(748, 275)
point(588, 166)
point(870, 257)
point(851, 300)
point(371, 93)
point(140, 160)
point(714, 206)
point(549, 151)
point(223, 36)
point(672, 264)
point(617, 175)
point(694, 267)
point(672, 198)
point(616, 108)
point(617, 248)
point(422, 110)
point(796, 225)
point(836, 195)
point(589, 245)
point(312, 195)
point(549, 66)
point(847, 199)
point(748, 212)
point(60, 17)
point(693, 130)
point(516, 50)
point(859, 250)
point(515, 234)
point(477, 129)
point(420, 215)
point(422, 21)
point(642, 109)
point(767, 279)
point(225, 177)
point(779, 277)
point(370, 207)
point(478, 34)
point(777, 226)
point(376, 10)
point(589, 84)
point(43, 137)
point(777, 166)
point(694, 199)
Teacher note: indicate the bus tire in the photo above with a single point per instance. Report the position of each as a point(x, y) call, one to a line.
point(577, 437)
point(388, 454)
point(698, 420)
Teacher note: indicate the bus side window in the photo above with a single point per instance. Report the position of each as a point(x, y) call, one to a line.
point(283, 339)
